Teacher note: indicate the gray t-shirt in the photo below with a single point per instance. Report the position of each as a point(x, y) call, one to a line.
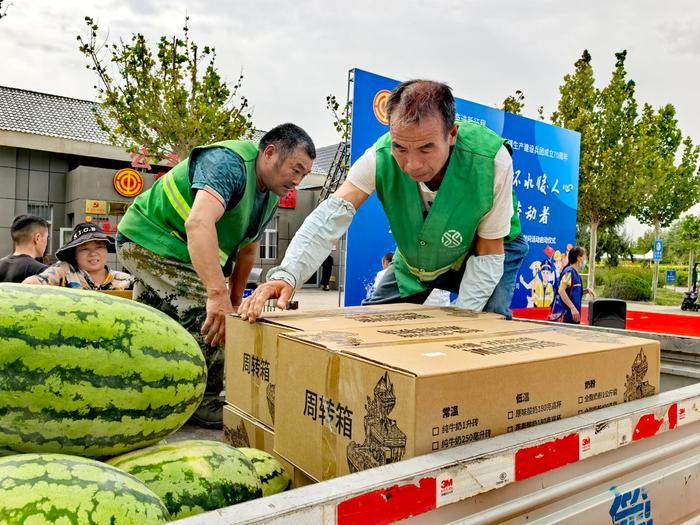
point(221, 172)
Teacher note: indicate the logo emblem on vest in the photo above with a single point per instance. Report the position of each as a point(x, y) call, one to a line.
point(379, 106)
point(451, 239)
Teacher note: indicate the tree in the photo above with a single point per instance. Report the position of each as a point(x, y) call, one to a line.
point(514, 103)
point(644, 243)
point(165, 101)
point(612, 242)
point(689, 235)
point(342, 122)
point(3, 12)
point(540, 112)
point(608, 185)
point(671, 189)
point(342, 117)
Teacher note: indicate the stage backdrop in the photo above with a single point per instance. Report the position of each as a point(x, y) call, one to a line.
point(545, 159)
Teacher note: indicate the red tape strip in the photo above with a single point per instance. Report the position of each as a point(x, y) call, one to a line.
point(547, 456)
point(647, 426)
point(388, 505)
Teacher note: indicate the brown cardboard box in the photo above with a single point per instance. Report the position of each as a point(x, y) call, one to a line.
point(251, 350)
point(350, 408)
point(242, 431)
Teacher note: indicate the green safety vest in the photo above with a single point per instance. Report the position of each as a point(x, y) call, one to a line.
point(427, 248)
point(156, 219)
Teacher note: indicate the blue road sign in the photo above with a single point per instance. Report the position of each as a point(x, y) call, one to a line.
point(670, 276)
point(658, 249)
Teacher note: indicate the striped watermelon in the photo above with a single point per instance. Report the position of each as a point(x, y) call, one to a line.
point(273, 476)
point(193, 476)
point(89, 374)
point(56, 488)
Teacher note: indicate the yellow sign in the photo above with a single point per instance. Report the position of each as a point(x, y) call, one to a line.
point(379, 106)
point(128, 182)
point(97, 207)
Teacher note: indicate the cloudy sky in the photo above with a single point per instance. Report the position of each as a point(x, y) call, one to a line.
point(293, 54)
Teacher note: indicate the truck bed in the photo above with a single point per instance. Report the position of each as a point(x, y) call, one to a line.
point(639, 459)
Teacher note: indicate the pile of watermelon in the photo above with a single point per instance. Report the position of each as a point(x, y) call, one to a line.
point(86, 377)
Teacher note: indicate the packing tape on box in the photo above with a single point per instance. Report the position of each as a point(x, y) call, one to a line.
point(259, 438)
point(255, 381)
point(329, 438)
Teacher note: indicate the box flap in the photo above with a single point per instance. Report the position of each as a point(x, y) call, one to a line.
point(376, 315)
point(498, 349)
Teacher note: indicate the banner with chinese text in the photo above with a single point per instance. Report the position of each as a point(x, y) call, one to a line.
point(545, 160)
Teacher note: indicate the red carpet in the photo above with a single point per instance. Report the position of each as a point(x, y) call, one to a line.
point(675, 324)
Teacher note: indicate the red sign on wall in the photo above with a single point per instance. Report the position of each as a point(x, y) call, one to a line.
point(289, 200)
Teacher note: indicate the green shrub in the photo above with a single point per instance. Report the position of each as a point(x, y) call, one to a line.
point(628, 287)
point(600, 278)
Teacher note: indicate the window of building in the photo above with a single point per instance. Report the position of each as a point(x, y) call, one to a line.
point(65, 234)
point(45, 211)
point(268, 241)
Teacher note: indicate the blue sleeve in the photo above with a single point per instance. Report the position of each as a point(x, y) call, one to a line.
point(222, 172)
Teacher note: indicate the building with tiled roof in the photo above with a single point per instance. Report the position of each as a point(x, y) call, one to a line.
point(56, 162)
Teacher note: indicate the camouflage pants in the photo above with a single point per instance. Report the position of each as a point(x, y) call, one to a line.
point(175, 289)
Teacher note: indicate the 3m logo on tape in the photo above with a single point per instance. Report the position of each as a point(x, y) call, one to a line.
point(446, 486)
point(586, 444)
point(379, 106)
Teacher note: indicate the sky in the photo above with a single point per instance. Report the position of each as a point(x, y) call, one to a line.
point(293, 54)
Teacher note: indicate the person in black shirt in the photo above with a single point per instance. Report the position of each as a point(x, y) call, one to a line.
point(29, 235)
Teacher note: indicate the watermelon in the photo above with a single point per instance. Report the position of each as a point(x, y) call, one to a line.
point(193, 476)
point(273, 476)
point(90, 374)
point(57, 488)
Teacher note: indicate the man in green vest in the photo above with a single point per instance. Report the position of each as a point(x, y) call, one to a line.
point(446, 189)
point(181, 238)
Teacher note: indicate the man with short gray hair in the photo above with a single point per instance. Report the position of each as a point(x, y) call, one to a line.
point(446, 189)
point(30, 235)
point(181, 237)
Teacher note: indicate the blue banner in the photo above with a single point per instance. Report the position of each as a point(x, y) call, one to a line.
point(545, 160)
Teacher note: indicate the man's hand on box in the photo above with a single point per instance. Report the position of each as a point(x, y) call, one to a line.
point(252, 307)
point(214, 327)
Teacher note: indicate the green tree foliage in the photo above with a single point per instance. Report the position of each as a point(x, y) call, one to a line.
point(689, 236)
point(612, 242)
point(689, 231)
point(644, 243)
point(342, 116)
point(608, 184)
point(672, 187)
point(514, 103)
point(168, 99)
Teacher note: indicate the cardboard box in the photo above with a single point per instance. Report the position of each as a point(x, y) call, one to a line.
point(251, 349)
point(348, 408)
point(242, 431)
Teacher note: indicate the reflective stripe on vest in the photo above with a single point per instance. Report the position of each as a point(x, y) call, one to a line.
point(179, 204)
point(426, 276)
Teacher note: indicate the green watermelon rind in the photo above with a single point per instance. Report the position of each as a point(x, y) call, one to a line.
point(89, 374)
point(273, 476)
point(43, 488)
point(193, 476)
